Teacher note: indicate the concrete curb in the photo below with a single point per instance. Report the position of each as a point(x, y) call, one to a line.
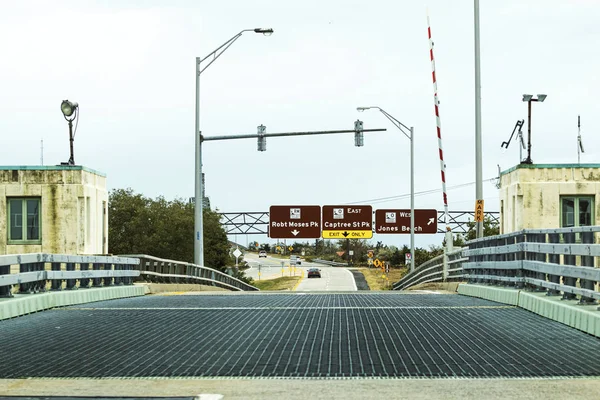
point(23, 304)
point(568, 312)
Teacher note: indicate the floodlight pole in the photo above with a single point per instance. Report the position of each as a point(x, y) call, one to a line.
point(71, 139)
point(529, 161)
point(529, 98)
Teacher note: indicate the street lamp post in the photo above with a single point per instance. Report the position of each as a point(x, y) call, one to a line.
point(198, 193)
point(409, 133)
point(529, 98)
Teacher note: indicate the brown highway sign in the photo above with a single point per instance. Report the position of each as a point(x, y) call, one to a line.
point(398, 221)
point(295, 222)
point(347, 222)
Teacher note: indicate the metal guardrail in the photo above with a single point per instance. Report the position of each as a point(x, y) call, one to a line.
point(159, 270)
point(36, 270)
point(558, 261)
point(331, 263)
point(443, 268)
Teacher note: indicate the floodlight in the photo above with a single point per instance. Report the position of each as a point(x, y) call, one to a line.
point(527, 97)
point(68, 107)
point(541, 97)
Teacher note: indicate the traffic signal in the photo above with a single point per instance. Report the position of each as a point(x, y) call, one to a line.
point(262, 140)
point(358, 133)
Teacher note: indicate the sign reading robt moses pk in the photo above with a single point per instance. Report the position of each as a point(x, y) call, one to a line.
point(295, 222)
point(347, 222)
point(398, 221)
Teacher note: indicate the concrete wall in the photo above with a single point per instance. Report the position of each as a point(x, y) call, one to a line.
point(530, 194)
point(74, 215)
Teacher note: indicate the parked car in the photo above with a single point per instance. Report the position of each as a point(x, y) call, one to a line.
point(314, 273)
point(262, 253)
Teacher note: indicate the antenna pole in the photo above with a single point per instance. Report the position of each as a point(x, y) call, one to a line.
point(520, 147)
point(578, 140)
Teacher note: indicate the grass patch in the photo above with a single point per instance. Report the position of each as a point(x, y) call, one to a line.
point(373, 277)
point(283, 283)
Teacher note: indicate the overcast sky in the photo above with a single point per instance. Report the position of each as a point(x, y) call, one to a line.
point(130, 66)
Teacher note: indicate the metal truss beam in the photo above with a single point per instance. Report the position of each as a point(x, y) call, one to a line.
point(257, 223)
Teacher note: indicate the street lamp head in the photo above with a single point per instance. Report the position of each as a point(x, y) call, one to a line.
point(266, 32)
point(541, 97)
point(361, 109)
point(68, 107)
point(527, 97)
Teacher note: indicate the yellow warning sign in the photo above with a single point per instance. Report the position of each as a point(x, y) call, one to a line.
point(347, 234)
point(479, 211)
point(377, 263)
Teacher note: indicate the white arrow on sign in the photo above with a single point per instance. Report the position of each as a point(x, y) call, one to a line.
point(295, 232)
point(431, 221)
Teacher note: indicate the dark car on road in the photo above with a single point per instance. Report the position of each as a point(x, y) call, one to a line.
point(314, 273)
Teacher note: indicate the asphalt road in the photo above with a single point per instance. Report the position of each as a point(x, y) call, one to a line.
point(332, 278)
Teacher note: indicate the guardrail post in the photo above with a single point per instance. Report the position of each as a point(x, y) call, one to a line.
point(587, 261)
point(5, 291)
point(84, 282)
point(519, 256)
point(25, 288)
point(107, 280)
point(71, 283)
point(97, 282)
point(39, 286)
point(486, 243)
point(445, 266)
point(535, 256)
point(555, 259)
point(128, 280)
point(497, 258)
point(56, 283)
point(569, 238)
point(118, 279)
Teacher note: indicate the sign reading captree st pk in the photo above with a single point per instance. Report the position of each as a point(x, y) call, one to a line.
point(295, 222)
point(347, 222)
point(398, 221)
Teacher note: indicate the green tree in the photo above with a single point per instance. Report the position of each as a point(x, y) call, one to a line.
point(490, 228)
point(164, 229)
